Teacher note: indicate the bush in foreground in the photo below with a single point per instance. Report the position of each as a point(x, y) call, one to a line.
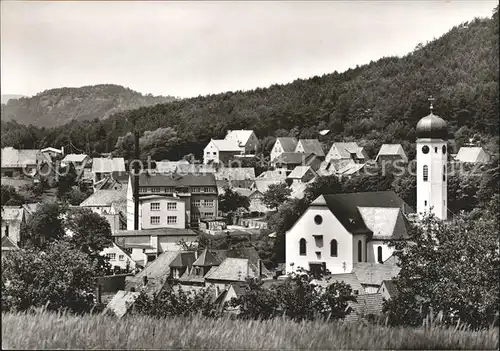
point(52, 331)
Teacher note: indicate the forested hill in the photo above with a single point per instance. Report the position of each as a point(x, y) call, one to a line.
point(56, 107)
point(375, 103)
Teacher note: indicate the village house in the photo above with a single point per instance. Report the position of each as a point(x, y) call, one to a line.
point(145, 245)
point(391, 153)
point(310, 146)
point(118, 257)
point(255, 197)
point(220, 151)
point(19, 163)
point(111, 204)
point(366, 308)
point(348, 278)
point(342, 154)
point(246, 139)
point(338, 230)
point(103, 167)
point(283, 144)
point(240, 177)
point(8, 245)
point(115, 181)
point(372, 275)
point(79, 161)
point(13, 217)
point(388, 289)
point(184, 198)
point(301, 174)
point(53, 153)
point(289, 160)
point(468, 154)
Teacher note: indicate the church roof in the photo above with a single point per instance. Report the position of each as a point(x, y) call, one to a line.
point(432, 127)
point(377, 213)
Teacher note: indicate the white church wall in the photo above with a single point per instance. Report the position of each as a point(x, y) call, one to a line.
point(372, 251)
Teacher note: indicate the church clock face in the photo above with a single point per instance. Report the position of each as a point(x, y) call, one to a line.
point(425, 149)
point(444, 149)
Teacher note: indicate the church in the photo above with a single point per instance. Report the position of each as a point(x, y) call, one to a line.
point(339, 231)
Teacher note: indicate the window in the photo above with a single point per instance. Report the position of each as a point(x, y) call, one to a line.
point(155, 206)
point(6, 230)
point(436, 150)
point(195, 216)
point(208, 214)
point(379, 254)
point(425, 149)
point(155, 220)
point(302, 247)
point(207, 190)
point(111, 256)
point(426, 173)
point(356, 292)
point(171, 219)
point(143, 190)
point(360, 251)
point(333, 248)
point(209, 203)
point(171, 206)
point(318, 219)
point(425, 202)
point(121, 257)
point(444, 173)
point(155, 190)
point(444, 149)
point(196, 203)
point(169, 190)
point(195, 190)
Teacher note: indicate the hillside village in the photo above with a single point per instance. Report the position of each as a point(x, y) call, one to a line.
point(358, 189)
point(348, 236)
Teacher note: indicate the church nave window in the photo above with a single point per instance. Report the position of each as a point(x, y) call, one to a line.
point(360, 251)
point(302, 247)
point(333, 248)
point(379, 254)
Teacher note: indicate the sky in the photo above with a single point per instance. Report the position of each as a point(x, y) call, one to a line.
point(187, 49)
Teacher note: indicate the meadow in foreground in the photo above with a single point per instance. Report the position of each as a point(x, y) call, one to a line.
point(44, 330)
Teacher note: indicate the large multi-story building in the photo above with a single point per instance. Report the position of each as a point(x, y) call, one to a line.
point(172, 200)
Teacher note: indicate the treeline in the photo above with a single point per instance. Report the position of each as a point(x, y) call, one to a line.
point(380, 102)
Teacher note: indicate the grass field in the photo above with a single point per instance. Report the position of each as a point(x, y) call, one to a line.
point(51, 331)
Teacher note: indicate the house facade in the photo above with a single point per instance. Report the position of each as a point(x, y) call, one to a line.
point(472, 155)
point(283, 144)
point(341, 154)
point(391, 153)
point(18, 163)
point(247, 140)
point(220, 151)
point(13, 217)
point(118, 257)
point(310, 146)
point(195, 195)
point(104, 167)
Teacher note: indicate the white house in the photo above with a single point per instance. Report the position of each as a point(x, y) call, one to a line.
point(283, 144)
point(472, 155)
point(119, 257)
point(246, 139)
point(302, 174)
point(78, 160)
point(102, 167)
point(344, 153)
point(310, 146)
point(338, 230)
point(220, 151)
point(389, 153)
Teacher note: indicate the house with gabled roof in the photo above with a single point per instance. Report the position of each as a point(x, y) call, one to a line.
point(289, 160)
point(341, 154)
point(390, 153)
point(371, 275)
point(220, 151)
point(339, 230)
point(247, 140)
point(283, 144)
point(13, 217)
point(388, 289)
point(79, 161)
point(112, 204)
point(19, 162)
point(119, 257)
point(469, 154)
point(8, 245)
point(310, 146)
point(103, 167)
point(367, 307)
point(302, 174)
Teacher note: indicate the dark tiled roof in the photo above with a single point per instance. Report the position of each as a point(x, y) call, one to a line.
point(177, 180)
point(312, 146)
point(156, 232)
point(345, 206)
point(207, 259)
point(390, 287)
point(243, 252)
point(368, 304)
point(348, 278)
point(291, 158)
point(288, 144)
point(374, 273)
point(183, 259)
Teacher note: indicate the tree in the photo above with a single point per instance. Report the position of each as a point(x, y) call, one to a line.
point(90, 233)
point(450, 268)
point(58, 277)
point(10, 197)
point(158, 143)
point(276, 194)
point(230, 201)
point(323, 185)
point(66, 179)
point(75, 196)
point(45, 225)
point(124, 146)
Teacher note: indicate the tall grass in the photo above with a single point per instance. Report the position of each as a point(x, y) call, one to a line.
point(44, 330)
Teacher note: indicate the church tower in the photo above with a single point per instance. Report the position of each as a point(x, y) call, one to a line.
point(432, 189)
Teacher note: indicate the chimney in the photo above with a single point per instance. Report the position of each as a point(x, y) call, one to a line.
point(136, 180)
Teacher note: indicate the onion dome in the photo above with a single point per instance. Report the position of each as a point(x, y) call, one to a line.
point(432, 127)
